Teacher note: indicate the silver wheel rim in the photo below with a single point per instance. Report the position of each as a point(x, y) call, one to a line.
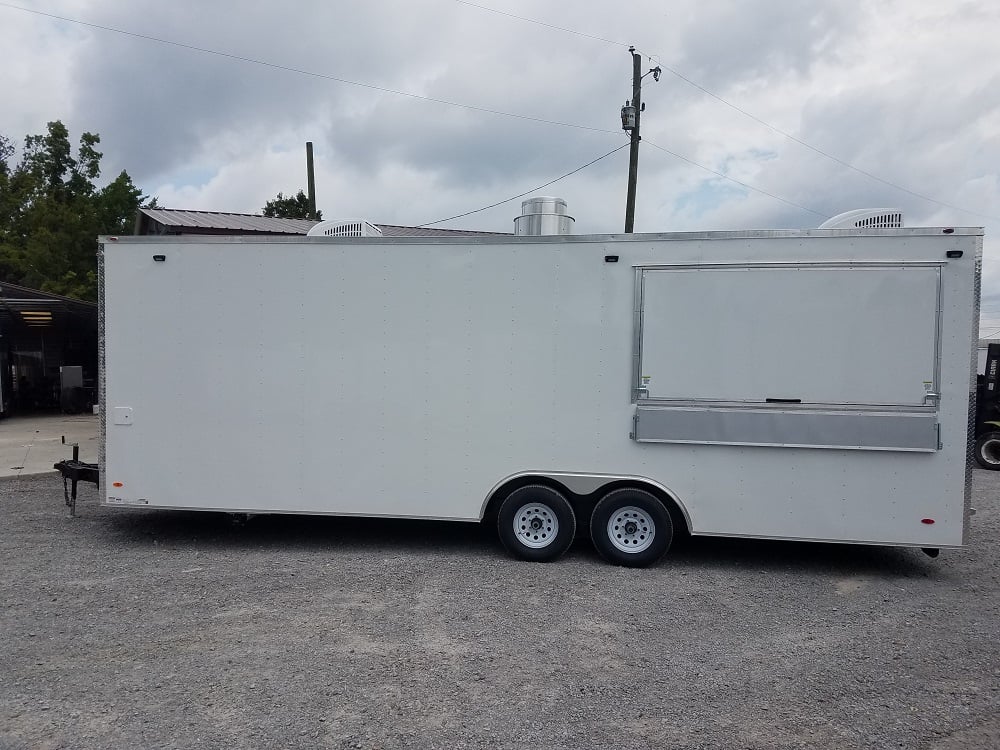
point(536, 525)
point(631, 529)
point(990, 451)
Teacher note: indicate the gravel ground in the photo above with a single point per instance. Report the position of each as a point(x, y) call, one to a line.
point(144, 629)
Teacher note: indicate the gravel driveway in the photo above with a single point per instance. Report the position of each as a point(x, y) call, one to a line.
point(144, 629)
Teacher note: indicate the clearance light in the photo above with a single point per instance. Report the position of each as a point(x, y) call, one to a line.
point(117, 484)
point(928, 521)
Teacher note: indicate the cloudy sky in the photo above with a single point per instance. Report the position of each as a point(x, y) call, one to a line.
point(772, 109)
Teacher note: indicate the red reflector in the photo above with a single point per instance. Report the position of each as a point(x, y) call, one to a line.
point(928, 521)
point(119, 484)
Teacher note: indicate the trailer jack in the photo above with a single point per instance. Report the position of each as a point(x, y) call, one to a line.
point(73, 471)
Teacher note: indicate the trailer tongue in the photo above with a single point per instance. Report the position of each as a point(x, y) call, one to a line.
point(73, 471)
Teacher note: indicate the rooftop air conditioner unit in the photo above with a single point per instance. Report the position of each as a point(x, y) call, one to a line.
point(866, 218)
point(345, 228)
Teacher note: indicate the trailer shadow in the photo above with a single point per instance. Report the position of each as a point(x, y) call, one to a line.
point(777, 556)
point(207, 531)
point(294, 532)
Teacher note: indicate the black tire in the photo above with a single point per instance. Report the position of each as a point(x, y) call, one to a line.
point(631, 527)
point(988, 451)
point(536, 523)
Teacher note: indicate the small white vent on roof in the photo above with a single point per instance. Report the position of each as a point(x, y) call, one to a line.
point(866, 218)
point(345, 228)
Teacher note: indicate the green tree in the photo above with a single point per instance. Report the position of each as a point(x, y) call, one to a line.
point(51, 212)
point(8, 203)
point(292, 207)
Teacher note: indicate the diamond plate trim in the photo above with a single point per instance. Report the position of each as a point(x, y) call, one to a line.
point(101, 376)
point(970, 460)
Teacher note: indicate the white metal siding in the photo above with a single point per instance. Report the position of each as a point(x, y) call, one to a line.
point(405, 379)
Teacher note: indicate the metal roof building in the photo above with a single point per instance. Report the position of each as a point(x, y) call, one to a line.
point(176, 221)
point(40, 333)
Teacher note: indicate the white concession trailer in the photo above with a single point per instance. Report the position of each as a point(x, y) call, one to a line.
point(802, 385)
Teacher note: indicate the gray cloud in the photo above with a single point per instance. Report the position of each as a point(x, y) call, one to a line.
point(906, 90)
point(727, 42)
point(159, 104)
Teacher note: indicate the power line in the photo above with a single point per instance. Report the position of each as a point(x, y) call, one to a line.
point(654, 145)
point(487, 110)
point(337, 79)
point(779, 131)
point(543, 23)
point(733, 179)
point(526, 192)
point(301, 71)
point(820, 151)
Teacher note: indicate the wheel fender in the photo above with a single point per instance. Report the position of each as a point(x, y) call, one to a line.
point(583, 484)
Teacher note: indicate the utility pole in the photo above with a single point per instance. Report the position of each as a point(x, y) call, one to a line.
point(631, 113)
point(311, 180)
point(633, 151)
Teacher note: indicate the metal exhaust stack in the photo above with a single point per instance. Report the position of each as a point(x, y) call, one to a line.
point(540, 216)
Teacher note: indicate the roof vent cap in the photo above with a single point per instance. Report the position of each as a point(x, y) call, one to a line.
point(542, 216)
point(345, 228)
point(866, 218)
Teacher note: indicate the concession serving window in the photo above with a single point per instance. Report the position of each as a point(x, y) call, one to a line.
point(821, 355)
